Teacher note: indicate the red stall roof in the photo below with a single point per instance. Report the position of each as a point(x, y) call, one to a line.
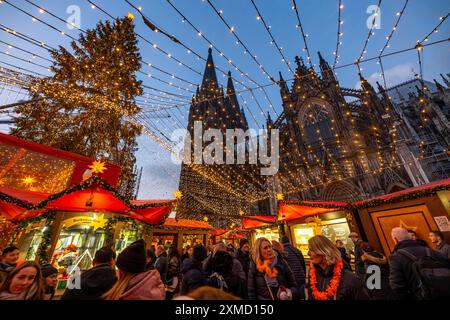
point(93, 195)
point(252, 222)
point(296, 209)
point(26, 153)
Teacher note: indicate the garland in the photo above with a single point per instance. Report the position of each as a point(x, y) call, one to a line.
point(266, 269)
point(333, 285)
point(371, 203)
point(94, 180)
point(42, 254)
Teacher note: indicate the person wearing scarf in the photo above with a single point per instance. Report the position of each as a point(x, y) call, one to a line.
point(270, 277)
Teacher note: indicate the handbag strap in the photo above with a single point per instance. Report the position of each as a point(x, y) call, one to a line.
point(268, 288)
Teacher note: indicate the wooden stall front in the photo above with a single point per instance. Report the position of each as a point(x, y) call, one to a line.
point(420, 209)
point(181, 232)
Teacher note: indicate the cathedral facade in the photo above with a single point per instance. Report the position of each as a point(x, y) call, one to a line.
point(329, 148)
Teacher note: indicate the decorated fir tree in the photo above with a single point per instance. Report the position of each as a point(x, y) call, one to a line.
point(90, 99)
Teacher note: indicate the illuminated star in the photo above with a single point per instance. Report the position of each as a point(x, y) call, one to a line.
point(28, 181)
point(178, 194)
point(280, 196)
point(241, 213)
point(97, 167)
point(130, 16)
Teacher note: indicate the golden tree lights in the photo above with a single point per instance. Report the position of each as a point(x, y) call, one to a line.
point(91, 95)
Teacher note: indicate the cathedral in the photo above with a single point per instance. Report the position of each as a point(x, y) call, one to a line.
point(335, 143)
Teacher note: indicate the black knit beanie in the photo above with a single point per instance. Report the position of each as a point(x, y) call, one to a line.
point(133, 258)
point(242, 242)
point(47, 270)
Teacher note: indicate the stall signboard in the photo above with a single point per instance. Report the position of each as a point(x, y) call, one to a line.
point(92, 221)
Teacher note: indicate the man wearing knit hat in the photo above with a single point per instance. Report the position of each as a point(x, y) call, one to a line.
point(243, 255)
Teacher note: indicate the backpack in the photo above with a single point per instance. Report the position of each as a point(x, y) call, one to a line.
point(432, 273)
point(216, 280)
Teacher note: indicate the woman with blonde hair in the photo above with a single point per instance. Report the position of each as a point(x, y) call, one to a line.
point(329, 279)
point(269, 276)
point(23, 283)
point(135, 283)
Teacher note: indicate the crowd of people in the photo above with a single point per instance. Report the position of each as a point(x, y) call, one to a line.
point(267, 270)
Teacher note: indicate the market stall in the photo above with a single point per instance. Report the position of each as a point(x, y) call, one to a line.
point(180, 232)
point(305, 219)
point(261, 226)
point(419, 209)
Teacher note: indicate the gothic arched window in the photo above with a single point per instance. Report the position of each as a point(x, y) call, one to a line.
point(317, 124)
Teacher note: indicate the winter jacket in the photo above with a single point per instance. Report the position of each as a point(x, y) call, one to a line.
point(237, 268)
point(444, 248)
point(257, 288)
point(174, 268)
point(345, 257)
point(244, 259)
point(377, 259)
point(162, 265)
point(234, 284)
point(296, 262)
point(350, 286)
point(193, 276)
point(5, 269)
point(402, 278)
point(93, 284)
point(145, 286)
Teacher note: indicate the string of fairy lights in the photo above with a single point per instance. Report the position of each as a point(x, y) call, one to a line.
point(274, 42)
point(303, 34)
point(360, 60)
point(339, 34)
point(369, 35)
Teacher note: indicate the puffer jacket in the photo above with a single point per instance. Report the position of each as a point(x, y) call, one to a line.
point(145, 286)
point(257, 286)
point(296, 262)
point(350, 286)
point(377, 259)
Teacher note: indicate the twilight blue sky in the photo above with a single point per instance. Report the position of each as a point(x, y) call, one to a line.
point(319, 18)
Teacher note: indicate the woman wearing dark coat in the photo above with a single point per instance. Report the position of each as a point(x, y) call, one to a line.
point(269, 276)
point(192, 271)
point(371, 257)
point(222, 276)
point(325, 262)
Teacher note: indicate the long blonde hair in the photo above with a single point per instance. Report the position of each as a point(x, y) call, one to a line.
point(119, 287)
point(256, 252)
point(322, 246)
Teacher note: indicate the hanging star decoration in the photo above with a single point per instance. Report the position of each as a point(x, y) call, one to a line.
point(280, 196)
point(130, 16)
point(28, 181)
point(97, 167)
point(241, 213)
point(178, 194)
point(205, 218)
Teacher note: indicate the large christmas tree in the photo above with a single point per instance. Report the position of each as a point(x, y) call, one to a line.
point(90, 99)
